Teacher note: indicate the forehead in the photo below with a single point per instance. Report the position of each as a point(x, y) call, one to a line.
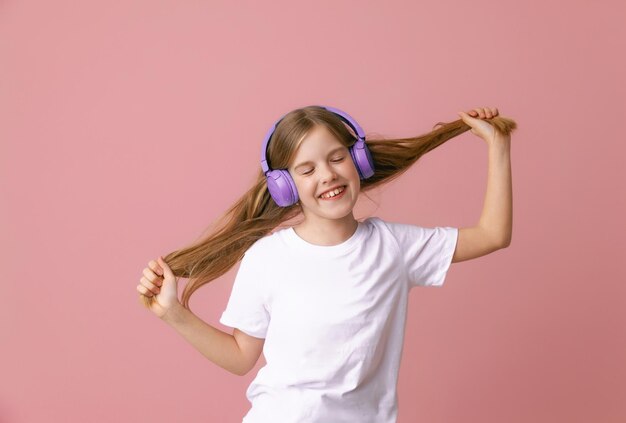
point(318, 142)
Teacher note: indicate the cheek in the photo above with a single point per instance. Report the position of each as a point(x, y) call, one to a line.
point(305, 187)
point(350, 169)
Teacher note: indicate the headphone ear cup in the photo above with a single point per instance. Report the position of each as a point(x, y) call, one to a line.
point(362, 159)
point(282, 187)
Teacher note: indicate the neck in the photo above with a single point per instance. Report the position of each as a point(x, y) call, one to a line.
point(327, 232)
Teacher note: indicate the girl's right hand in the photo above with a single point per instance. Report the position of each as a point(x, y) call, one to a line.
point(159, 287)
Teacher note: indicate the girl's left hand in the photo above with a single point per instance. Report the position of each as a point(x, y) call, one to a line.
point(480, 127)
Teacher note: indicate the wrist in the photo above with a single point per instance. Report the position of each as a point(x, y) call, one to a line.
point(499, 140)
point(175, 314)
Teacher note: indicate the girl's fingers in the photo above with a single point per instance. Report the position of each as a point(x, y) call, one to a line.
point(479, 113)
point(162, 264)
point(156, 268)
point(150, 276)
point(483, 112)
point(149, 285)
point(144, 291)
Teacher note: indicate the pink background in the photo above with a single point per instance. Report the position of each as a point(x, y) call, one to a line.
point(126, 128)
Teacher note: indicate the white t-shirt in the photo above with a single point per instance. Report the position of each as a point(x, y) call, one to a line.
point(333, 318)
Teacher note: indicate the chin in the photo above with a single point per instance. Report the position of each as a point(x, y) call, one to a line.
point(338, 213)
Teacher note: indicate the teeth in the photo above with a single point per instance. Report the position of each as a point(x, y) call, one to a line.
point(332, 193)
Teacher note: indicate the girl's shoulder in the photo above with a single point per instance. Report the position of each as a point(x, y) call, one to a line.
point(377, 223)
point(267, 243)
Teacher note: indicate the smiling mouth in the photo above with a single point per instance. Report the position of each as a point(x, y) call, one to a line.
point(334, 193)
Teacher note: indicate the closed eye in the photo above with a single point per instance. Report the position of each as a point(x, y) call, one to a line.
point(336, 160)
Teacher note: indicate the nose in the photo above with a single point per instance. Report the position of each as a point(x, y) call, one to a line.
point(328, 174)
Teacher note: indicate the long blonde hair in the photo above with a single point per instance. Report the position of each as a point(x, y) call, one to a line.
point(256, 214)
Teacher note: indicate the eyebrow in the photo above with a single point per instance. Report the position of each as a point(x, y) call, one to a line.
point(310, 162)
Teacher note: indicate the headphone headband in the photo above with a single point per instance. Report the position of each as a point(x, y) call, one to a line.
point(341, 114)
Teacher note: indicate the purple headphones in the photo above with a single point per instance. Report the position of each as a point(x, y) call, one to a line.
point(279, 182)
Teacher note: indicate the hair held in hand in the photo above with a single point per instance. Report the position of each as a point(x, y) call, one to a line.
point(255, 214)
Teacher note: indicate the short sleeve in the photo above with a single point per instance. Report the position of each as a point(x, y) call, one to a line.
point(427, 252)
point(246, 309)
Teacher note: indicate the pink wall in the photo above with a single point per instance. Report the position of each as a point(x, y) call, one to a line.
point(127, 127)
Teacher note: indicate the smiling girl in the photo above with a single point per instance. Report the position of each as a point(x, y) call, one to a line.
point(325, 299)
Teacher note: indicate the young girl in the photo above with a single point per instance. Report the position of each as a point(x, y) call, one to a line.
point(325, 298)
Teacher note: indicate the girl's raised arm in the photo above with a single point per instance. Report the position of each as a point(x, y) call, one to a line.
point(495, 226)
